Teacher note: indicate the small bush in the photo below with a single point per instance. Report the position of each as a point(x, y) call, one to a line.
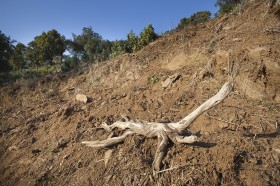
point(147, 35)
point(118, 48)
point(133, 43)
point(153, 79)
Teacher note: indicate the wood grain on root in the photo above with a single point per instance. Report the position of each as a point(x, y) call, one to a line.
point(163, 131)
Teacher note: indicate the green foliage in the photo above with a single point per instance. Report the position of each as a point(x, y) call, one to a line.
point(119, 47)
point(26, 73)
point(45, 47)
point(132, 42)
point(90, 46)
point(147, 35)
point(196, 18)
point(153, 79)
point(48, 48)
point(6, 49)
point(227, 6)
point(17, 60)
point(69, 63)
point(100, 51)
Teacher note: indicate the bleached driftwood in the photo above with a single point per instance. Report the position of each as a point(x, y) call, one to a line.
point(163, 131)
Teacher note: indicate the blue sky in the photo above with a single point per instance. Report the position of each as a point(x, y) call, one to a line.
point(112, 19)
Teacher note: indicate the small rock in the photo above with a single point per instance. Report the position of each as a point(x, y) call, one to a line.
point(170, 80)
point(12, 148)
point(237, 40)
point(82, 98)
point(223, 125)
point(107, 156)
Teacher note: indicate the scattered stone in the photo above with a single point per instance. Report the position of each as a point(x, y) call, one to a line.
point(222, 124)
point(237, 40)
point(12, 148)
point(107, 156)
point(82, 98)
point(170, 80)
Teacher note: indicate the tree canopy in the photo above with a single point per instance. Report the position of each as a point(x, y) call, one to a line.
point(147, 35)
point(196, 18)
point(226, 6)
point(6, 49)
point(45, 47)
point(17, 58)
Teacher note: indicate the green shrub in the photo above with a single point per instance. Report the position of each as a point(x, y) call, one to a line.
point(133, 43)
point(231, 6)
point(153, 79)
point(69, 63)
point(196, 18)
point(118, 48)
point(147, 35)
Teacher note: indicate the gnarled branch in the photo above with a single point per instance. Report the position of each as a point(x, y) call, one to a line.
point(163, 131)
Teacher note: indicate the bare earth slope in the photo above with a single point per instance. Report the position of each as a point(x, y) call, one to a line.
point(42, 125)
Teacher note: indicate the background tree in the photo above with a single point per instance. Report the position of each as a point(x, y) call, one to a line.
point(196, 18)
point(17, 60)
point(45, 47)
point(6, 49)
point(147, 35)
point(226, 6)
point(90, 46)
point(32, 54)
point(118, 47)
point(132, 42)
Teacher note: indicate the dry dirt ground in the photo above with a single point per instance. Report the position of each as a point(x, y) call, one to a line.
point(42, 125)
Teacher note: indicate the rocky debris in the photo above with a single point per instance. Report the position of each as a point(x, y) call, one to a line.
point(82, 98)
point(170, 80)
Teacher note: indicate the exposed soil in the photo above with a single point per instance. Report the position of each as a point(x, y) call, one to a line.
point(42, 125)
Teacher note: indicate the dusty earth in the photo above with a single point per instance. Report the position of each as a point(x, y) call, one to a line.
point(42, 125)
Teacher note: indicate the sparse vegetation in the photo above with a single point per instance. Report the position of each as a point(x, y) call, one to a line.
point(153, 79)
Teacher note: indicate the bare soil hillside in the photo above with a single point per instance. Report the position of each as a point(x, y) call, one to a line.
point(42, 125)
